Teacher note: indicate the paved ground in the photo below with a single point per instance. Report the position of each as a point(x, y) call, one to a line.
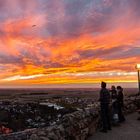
point(130, 130)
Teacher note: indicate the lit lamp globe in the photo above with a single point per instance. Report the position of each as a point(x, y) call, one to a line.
point(138, 66)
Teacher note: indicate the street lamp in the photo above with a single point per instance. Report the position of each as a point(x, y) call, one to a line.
point(138, 69)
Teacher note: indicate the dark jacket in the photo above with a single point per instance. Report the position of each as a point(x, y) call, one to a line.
point(113, 94)
point(104, 96)
point(120, 98)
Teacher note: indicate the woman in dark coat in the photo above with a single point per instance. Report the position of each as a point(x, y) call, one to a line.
point(113, 92)
point(120, 103)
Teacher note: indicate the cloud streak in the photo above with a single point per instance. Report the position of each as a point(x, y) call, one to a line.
point(68, 37)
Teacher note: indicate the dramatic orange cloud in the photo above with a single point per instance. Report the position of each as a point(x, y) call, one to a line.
point(66, 42)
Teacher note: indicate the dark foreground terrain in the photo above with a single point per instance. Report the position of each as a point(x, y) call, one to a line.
point(22, 109)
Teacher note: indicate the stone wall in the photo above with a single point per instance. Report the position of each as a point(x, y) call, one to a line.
point(131, 104)
point(76, 126)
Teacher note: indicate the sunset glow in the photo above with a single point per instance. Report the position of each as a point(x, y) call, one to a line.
point(68, 41)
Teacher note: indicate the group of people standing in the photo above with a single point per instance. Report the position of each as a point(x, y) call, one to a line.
point(111, 104)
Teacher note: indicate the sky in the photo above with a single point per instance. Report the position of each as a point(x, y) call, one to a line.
point(46, 42)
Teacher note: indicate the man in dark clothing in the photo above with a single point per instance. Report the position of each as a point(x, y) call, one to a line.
point(104, 103)
point(120, 103)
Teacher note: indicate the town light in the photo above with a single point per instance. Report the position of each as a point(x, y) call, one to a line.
point(138, 69)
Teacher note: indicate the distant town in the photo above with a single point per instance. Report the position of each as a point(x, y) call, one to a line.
point(34, 108)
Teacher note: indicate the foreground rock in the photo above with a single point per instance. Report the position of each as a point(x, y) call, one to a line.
point(75, 126)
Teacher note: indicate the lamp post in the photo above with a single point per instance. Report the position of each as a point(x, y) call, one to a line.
point(138, 69)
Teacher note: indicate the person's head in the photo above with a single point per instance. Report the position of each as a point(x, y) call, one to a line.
point(119, 88)
point(103, 84)
point(113, 87)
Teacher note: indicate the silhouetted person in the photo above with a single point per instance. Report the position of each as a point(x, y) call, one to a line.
point(120, 103)
point(104, 104)
point(113, 92)
point(114, 107)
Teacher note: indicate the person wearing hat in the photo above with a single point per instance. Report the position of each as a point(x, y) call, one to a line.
point(104, 104)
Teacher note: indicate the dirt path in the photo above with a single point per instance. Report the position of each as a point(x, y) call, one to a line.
point(130, 130)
